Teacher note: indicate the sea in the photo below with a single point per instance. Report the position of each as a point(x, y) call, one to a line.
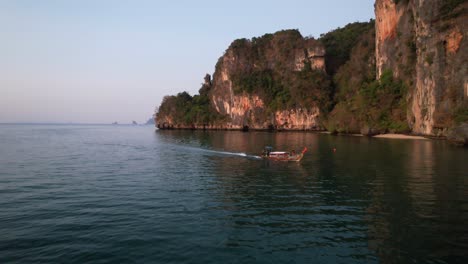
point(135, 194)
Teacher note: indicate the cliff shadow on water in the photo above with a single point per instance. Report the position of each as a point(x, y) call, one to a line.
point(392, 181)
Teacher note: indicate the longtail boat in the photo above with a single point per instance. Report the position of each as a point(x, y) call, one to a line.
point(269, 154)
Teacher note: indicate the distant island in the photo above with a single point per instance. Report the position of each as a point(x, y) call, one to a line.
point(404, 73)
point(150, 121)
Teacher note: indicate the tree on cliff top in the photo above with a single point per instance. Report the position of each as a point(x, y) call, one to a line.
point(267, 66)
point(185, 110)
point(339, 43)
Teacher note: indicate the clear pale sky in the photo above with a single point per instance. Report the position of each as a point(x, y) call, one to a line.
point(89, 61)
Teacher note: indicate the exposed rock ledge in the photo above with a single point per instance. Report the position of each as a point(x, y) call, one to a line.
point(399, 136)
point(459, 135)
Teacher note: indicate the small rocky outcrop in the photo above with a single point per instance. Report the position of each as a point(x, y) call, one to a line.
point(459, 135)
point(370, 131)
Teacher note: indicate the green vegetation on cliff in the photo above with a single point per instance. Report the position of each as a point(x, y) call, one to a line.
point(266, 66)
point(349, 97)
point(287, 90)
point(188, 111)
point(339, 43)
point(284, 80)
point(378, 105)
point(460, 115)
point(364, 104)
point(449, 8)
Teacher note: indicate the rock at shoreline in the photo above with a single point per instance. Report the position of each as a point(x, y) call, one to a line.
point(459, 135)
point(369, 131)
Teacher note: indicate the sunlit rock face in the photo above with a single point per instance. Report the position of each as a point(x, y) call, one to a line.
point(424, 42)
point(259, 83)
point(298, 119)
point(250, 109)
point(314, 53)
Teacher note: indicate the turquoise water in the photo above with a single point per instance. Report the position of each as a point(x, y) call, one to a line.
point(130, 194)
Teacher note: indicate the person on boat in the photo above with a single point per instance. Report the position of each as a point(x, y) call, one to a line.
point(267, 151)
point(293, 152)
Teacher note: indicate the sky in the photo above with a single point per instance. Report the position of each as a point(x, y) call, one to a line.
point(88, 61)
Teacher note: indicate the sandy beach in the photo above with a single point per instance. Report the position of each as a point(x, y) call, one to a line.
point(399, 136)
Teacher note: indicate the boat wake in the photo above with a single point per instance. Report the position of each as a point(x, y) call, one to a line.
point(239, 154)
point(221, 153)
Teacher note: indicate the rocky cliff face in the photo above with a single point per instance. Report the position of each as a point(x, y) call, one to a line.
point(274, 63)
point(424, 42)
point(406, 74)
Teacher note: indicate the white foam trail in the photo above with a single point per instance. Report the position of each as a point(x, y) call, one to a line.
point(240, 154)
point(218, 152)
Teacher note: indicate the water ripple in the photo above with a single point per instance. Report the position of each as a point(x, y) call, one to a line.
point(107, 194)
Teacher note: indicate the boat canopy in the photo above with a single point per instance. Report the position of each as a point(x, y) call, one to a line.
point(278, 152)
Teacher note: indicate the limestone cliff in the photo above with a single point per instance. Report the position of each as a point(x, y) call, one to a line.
point(254, 83)
point(277, 81)
point(424, 42)
point(405, 74)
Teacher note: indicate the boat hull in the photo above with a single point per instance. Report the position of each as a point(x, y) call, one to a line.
point(283, 155)
point(286, 158)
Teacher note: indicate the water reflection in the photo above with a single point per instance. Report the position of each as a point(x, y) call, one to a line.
point(405, 220)
point(349, 198)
